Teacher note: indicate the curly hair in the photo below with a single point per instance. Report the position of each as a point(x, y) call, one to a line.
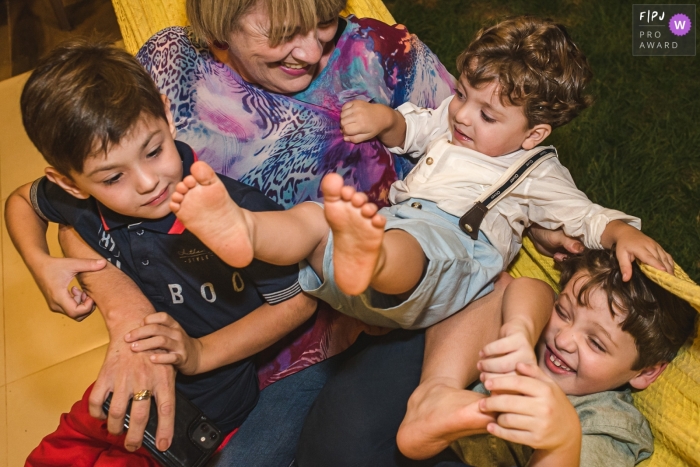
point(537, 66)
point(659, 321)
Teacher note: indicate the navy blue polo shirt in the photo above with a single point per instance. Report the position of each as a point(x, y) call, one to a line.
point(182, 277)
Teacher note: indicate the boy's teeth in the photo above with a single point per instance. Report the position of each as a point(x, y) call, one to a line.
point(558, 363)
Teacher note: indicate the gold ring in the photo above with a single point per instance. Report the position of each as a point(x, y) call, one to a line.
point(142, 395)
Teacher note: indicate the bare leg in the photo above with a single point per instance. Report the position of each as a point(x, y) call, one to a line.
point(440, 410)
point(237, 235)
point(362, 254)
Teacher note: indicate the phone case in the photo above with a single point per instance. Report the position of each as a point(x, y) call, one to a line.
point(195, 438)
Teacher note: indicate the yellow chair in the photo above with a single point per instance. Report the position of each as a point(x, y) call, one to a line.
point(671, 404)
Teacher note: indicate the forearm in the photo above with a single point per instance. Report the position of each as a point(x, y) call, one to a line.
point(121, 302)
point(395, 133)
point(612, 233)
point(26, 229)
point(527, 306)
point(254, 332)
point(568, 455)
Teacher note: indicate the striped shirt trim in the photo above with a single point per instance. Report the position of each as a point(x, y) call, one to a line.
point(282, 295)
point(34, 199)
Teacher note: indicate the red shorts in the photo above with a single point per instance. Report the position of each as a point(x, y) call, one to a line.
point(83, 441)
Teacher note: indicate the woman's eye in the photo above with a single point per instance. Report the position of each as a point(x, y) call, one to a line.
point(486, 118)
point(112, 180)
point(327, 23)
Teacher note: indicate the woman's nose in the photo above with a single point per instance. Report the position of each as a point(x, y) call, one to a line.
point(308, 48)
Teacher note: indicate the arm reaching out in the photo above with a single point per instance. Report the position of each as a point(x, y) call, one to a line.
point(240, 339)
point(632, 244)
point(527, 306)
point(53, 275)
point(361, 121)
point(123, 307)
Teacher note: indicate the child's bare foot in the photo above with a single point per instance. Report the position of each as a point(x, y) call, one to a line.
point(437, 415)
point(357, 234)
point(204, 206)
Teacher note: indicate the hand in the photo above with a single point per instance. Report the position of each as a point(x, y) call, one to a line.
point(533, 411)
point(632, 244)
point(55, 277)
point(554, 243)
point(361, 121)
point(502, 356)
point(125, 373)
point(439, 413)
point(161, 332)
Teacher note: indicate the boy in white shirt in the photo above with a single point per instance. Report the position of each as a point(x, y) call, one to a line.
point(410, 265)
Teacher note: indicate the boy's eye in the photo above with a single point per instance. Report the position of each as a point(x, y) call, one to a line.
point(597, 345)
point(112, 180)
point(486, 118)
point(459, 94)
point(559, 311)
point(154, 153)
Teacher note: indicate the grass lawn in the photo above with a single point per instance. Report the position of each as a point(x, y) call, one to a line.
point(637, 149)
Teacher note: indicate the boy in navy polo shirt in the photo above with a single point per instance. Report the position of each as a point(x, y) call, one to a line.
point(98, 119)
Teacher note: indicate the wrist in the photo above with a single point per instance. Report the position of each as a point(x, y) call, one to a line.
point(519, 325)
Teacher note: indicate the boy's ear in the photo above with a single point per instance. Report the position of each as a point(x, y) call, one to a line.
point(168, 115)
point(536, 135)
point(65, 182)
point(647, 376)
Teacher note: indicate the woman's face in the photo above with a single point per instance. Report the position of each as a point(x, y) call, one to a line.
point(287, 68)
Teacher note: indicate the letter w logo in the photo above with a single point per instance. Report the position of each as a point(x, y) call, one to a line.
point(679, 25)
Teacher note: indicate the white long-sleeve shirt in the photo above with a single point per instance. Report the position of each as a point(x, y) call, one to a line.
point(454, 177)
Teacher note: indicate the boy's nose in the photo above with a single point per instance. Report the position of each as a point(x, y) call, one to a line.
point(565, 340)
point(146, 182)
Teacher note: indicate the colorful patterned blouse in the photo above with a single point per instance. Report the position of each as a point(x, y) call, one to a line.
point(284, 144)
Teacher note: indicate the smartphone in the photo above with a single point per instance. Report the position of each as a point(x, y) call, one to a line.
point(195, 438)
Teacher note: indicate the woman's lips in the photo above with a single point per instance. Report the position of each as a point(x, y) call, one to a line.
point(294, 70)
point(555, 364)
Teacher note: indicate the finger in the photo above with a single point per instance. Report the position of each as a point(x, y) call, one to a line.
point(507, 403)
point(347, 106)
point(96, 399)
point(160, 318)
point(572, 245)
point(625, 265)
point(169, 358)
point(79, 265)
point(150, 330)
point(138, 418)
point(165, 401)
point(514, 421)
point(518, 383)
point(514, 436)
point(117, 410)
point(499, 365)
point(155, 343)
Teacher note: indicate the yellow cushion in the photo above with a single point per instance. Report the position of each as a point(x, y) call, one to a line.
point(671, 404)
point(140, 19)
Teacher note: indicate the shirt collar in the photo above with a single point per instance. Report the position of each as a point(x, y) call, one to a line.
point(169, 224)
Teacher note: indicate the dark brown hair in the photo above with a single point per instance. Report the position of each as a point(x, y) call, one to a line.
point(82, 97)
point(537, 66)
point(659, 321)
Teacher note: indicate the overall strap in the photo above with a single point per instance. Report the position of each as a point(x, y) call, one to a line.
point(470, 222)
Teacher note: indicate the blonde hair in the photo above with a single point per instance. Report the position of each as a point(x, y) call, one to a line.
point(214, 20)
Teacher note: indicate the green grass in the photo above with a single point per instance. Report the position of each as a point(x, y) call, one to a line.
point(637, 148)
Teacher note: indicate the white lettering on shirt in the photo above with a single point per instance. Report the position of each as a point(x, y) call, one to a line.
point(203, 291)
point(176, 293)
